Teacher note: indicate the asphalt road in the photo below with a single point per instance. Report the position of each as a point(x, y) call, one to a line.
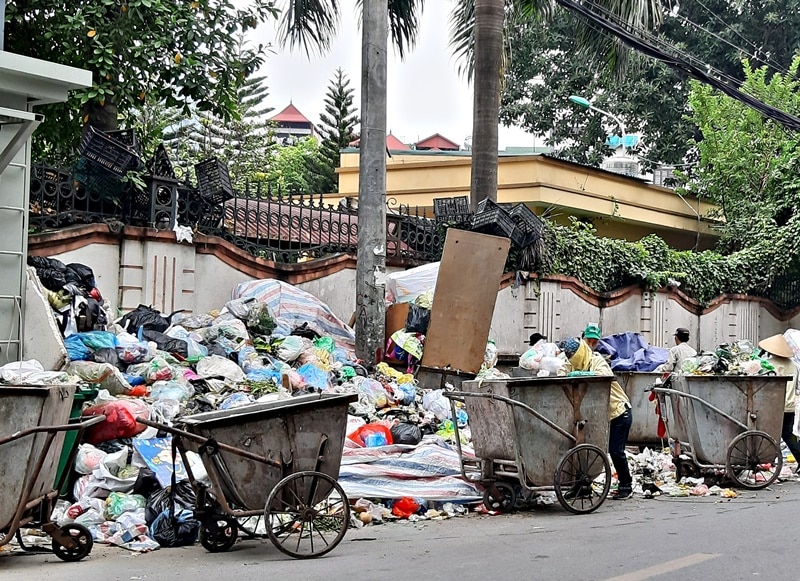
point(709, 538)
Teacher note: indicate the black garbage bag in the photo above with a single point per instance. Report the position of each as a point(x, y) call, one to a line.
point(217, 349)
point(89, 315)
point(52, 279)
point(160, 501)
point(106, 355)
point(115, 445)
point(175, 531)
point(38, 262)
point(305, 331)
point(146, 317)
point(81, 276)
point(408, 434)
point(146, 483)
point(167, 343)
point(418, 319)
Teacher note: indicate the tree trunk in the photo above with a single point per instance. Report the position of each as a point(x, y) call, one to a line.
point(489, 20)
point(371, 267)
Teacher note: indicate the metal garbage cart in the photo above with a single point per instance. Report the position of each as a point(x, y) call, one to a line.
point(277, 460)
point(725, 422)
point(536, 435)
point(637, 386)
point(35, 419)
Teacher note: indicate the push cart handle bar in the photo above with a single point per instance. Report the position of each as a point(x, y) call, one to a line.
point(702, 401)
point(203, 440)
point(465, 394)
point(52, 429)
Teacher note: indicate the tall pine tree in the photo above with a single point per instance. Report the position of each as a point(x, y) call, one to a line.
point(337, 127)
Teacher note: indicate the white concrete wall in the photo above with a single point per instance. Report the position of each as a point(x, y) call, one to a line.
point(171, 276)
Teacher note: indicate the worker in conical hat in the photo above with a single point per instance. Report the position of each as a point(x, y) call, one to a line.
point(780, 356)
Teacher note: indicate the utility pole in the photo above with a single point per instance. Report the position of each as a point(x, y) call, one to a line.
point(371, 266)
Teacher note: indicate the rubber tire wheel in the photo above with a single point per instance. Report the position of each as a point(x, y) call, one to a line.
point(504, 504)
point(223, 538)
point(582, 458)
point(81, 535)
point(303, 513)
point(749, 446)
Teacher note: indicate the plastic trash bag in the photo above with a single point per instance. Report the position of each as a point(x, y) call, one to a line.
point(166, 343)
point(236, 400)
point(371, 392)
point(104, 374)
point(239, 307)
point(97, 339)
point(145, 317)
point(418, 319)
point(120, 420)
point(259, 319)
point(290, 348)
point(407, 434)
point(177, 531)
point(76, 349)
point(490, 355)
point(194, 350)
point(314, 376)
point(157, 369)
point(118, 503)
point(372, 436)
point(436, 403)
point(250, 359)
point(106, 355)
point(160, 501)
point(133, 352)
point(325, 343)
point(216, 366)
point(174, 390)
point(88, 458)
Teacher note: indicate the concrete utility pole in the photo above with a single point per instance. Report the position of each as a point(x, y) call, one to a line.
point(371, 268)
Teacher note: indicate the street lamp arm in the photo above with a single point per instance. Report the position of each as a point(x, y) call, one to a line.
point(614, 117)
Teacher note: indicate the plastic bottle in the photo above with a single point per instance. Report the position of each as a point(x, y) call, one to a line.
point(375, 440)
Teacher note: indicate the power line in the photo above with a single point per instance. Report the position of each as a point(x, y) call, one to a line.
point(695, 68)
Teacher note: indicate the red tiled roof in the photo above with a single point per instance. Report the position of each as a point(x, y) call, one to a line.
point(392, 144)
point(437, 141)
point(290, 115)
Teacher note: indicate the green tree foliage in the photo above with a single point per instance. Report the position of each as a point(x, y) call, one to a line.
point(750, 167)
point(294, 169)
point(650, 98)
point(177, 51)
point(338, 127)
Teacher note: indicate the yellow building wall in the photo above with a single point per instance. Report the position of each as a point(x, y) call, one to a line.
point(619, 206)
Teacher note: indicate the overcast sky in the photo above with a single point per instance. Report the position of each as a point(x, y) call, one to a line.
point(426, 94)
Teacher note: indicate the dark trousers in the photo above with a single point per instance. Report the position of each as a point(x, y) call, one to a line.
point(789, 437)
point(617, 439)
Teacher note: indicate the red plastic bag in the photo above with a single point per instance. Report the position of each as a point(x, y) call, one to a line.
point(120, 420)
point(372, 436)
point(405, 507)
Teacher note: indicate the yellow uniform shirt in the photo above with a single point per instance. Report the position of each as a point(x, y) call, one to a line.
point(587, 360)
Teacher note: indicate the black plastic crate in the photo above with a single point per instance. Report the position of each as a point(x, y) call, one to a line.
point(108, 153)
point(96, 179)
point(126, 137)
point(487, 204)
point(531, 224)
point(496, 221)
point(213, 181)
point(159, 165)
point(452, 210)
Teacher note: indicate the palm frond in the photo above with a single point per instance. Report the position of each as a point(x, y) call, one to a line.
point(310, 24)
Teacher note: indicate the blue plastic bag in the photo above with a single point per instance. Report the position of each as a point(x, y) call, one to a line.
point(76, 350)
point(314, 376)
point(97, 339)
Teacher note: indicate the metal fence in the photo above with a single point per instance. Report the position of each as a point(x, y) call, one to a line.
point(270, 224)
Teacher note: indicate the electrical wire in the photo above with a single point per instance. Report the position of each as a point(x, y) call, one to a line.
point(768, 60)
point(678, 60)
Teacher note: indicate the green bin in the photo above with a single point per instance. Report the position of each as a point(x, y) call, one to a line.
point(82, 395)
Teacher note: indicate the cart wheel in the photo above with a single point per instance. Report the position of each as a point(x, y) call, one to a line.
point(82, 539)
point(582, 479)
point(219, 533)
point(754, 460)
point(506, 501)
point(307, 514)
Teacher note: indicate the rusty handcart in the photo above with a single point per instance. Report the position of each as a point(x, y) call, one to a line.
point(278, 461)
point(37, 418)
point(532, 435)
point(725, 422)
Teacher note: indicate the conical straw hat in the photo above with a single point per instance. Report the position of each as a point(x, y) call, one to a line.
point(777, 345)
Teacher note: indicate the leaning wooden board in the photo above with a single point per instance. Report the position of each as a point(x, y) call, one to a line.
point(463, 302)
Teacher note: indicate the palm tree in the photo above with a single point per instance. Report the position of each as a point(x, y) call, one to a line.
point(312, 24)
point(476, 36)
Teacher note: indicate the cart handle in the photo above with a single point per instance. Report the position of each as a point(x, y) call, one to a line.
point(702, 401)
point(53, 429)
point(556, 427)
point(202, 440)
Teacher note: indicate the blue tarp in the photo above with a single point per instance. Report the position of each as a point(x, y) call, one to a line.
point(630, 352)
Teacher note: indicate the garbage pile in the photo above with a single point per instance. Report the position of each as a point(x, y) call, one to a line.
point(737, 358)
point(272, 341)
